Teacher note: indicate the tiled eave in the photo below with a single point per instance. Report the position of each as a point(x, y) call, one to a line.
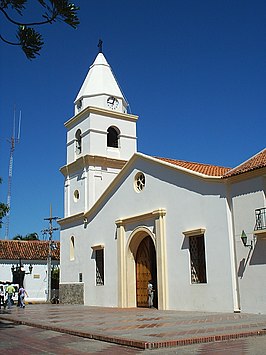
point(204, 169)
point(27, 250)
point(244, 175)
point(256, 162)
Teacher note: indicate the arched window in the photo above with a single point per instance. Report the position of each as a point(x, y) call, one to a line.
point(78, 141)
point(76, 195)
point(72, 248)
point(112, 137)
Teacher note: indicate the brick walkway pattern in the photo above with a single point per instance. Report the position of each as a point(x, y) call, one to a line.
point(137, 327)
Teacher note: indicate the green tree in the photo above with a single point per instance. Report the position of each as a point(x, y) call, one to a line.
point(18, 237)
point(30, 236)
point(27, 37)
point(3, 209)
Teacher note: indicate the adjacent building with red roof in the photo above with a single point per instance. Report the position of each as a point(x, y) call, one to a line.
point(25, 262)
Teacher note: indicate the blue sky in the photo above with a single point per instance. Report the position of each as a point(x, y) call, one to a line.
point(194, 71)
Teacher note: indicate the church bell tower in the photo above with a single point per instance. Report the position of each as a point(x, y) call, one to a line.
point(101, 137)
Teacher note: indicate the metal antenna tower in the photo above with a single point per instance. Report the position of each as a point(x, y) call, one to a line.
point(13, 140)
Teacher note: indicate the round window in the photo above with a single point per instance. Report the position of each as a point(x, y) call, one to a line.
point(139, 181)
point(76, 195)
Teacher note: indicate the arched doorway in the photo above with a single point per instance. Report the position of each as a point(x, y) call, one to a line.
point(145, 270)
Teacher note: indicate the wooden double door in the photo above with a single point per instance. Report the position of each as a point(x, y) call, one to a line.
point(145, 271)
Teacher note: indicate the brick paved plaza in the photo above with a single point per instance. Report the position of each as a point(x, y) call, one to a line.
point(136, 327)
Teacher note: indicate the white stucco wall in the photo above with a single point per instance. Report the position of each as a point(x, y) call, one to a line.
point(247, 196)
point(36, 283)
point(190, 203)
point(84, 263)
point(90, 183)
point(100, 101)
point(94, 136)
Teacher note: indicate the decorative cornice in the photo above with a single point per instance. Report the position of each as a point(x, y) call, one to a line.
point(194, 232)
point(93, 160)
point(141, 217)
point(97, 247)
point(100, 111)
point(73, 218)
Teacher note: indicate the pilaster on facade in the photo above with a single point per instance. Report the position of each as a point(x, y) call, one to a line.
point(127, 247)
point(160, 232)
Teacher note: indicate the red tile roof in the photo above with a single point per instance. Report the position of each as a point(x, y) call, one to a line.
point(256, 162)
point(27, 250)
point(206, 169)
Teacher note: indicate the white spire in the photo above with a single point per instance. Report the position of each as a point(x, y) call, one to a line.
point(99, 85)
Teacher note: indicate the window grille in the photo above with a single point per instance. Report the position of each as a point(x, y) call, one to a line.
point(197, 259)
point(99, 258)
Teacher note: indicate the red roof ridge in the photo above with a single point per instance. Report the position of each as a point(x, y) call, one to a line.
point(203, 168)
point(257, 161)
point(27, 250)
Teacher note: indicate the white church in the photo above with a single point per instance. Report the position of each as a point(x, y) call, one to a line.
point(197, 231)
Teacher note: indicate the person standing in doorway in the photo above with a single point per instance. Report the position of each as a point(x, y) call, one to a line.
point(150, 294)
point(10, 290)
point(22, 292)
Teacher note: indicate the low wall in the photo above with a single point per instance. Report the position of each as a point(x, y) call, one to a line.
point(71, 293)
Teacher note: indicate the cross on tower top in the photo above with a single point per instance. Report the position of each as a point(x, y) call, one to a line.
point(100, 46)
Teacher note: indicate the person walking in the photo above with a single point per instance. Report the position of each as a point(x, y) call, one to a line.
point(2, 296)
point(10, 290)
point(22, 292)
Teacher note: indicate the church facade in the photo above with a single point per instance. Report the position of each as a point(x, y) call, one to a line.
point(197, 231)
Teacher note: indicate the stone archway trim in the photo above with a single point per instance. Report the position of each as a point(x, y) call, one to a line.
point(159, 237)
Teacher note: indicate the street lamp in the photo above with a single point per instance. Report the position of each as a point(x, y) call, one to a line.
point(12, 269)
point(30, 268)
point(244, 239)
